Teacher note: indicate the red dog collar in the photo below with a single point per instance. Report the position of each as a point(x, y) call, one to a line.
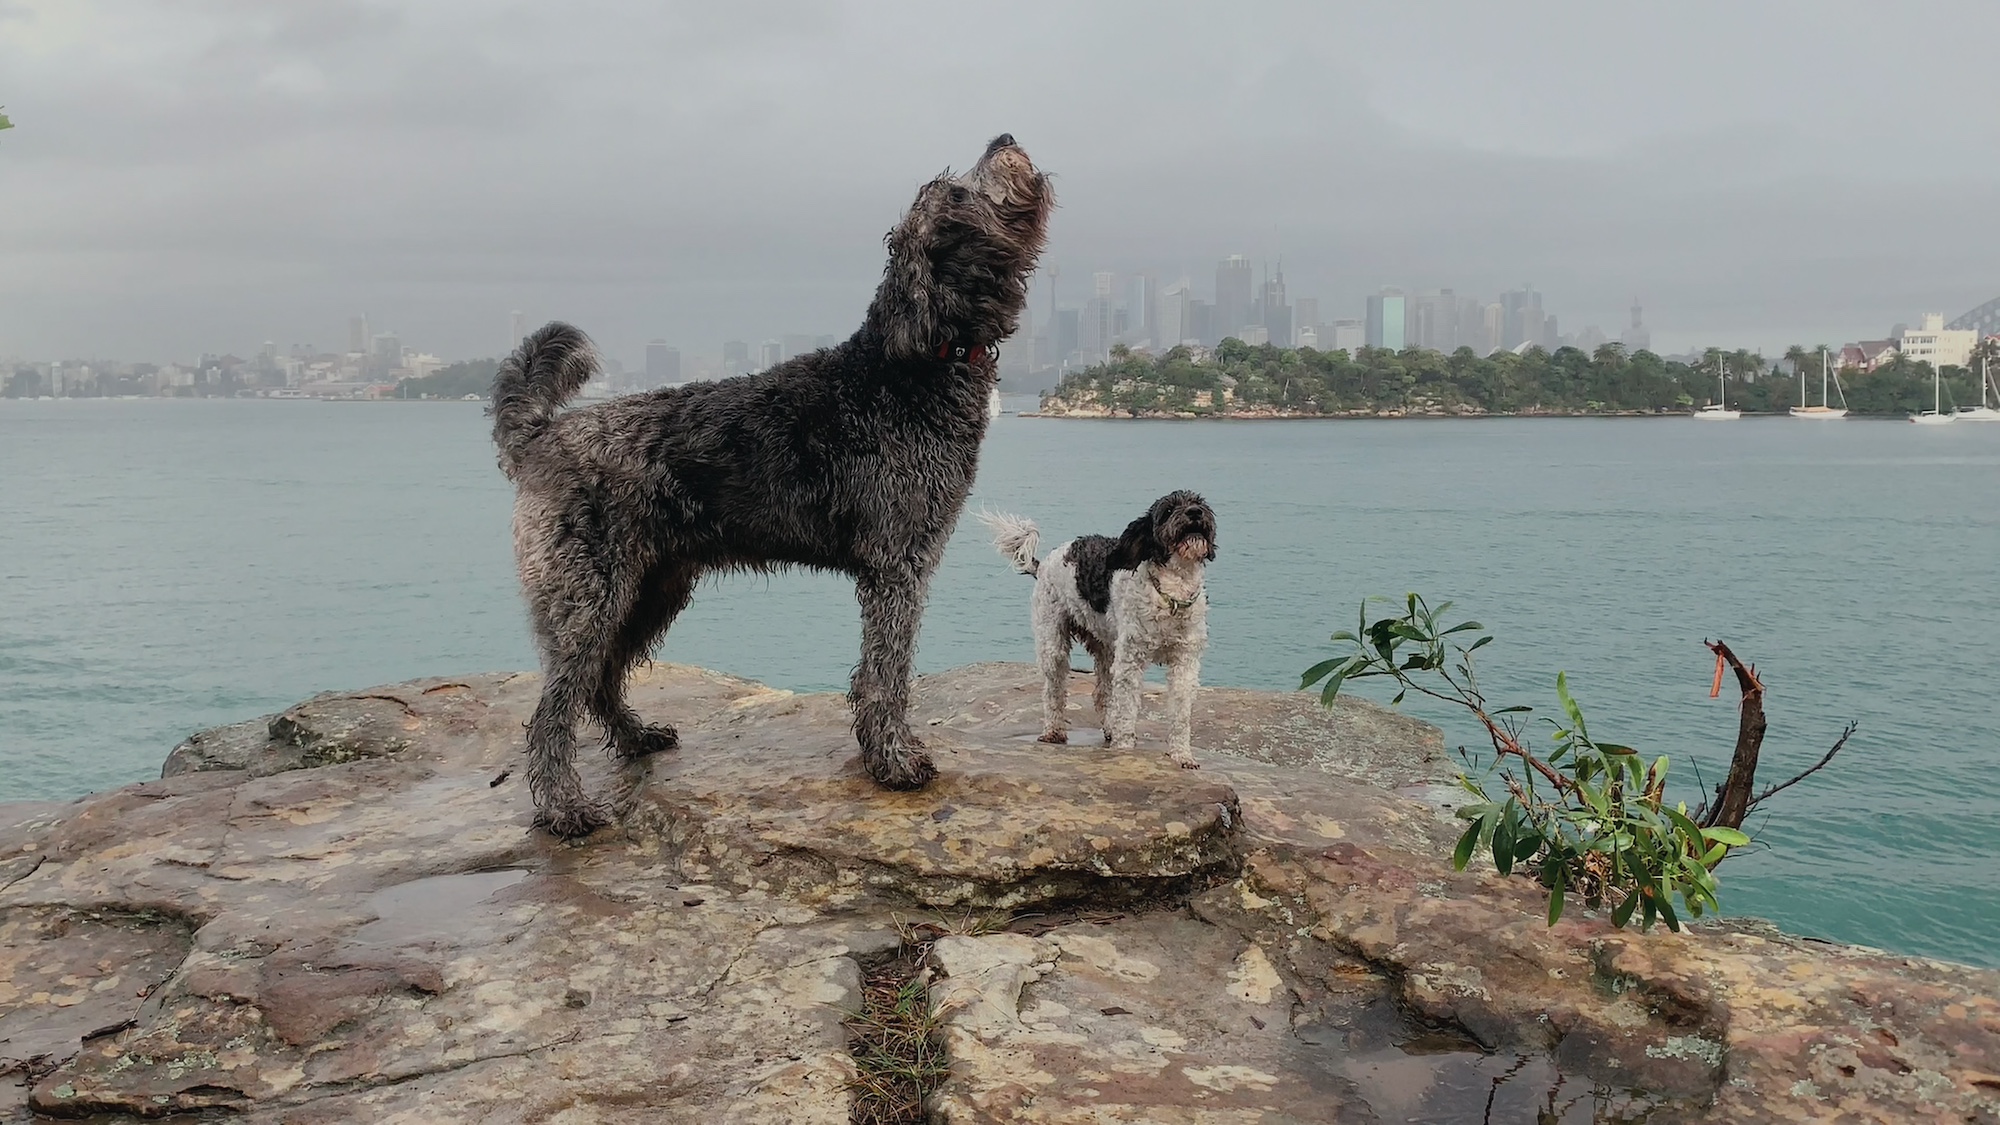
point(974, 354)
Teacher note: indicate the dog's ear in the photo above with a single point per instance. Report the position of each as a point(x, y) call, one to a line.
point(1138, 544)
point(906, 307)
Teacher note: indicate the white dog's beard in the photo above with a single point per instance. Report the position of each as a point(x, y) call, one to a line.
point(1192, 548)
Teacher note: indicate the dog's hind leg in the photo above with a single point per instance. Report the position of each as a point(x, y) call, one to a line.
point(561, 805)
point(1052, 647)
point(660, 600)
point(892, 605)
point(1183, 677)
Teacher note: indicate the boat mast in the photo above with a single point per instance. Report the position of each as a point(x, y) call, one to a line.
point(1822, 379)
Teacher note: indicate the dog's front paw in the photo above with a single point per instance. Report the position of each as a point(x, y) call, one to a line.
point(1055, 737)
point(1184, 759)
point(656, 739)
point(573, 821)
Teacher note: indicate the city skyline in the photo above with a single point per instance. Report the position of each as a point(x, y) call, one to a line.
point(212, 177)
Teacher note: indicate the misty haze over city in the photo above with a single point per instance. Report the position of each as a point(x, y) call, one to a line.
point(201, 178)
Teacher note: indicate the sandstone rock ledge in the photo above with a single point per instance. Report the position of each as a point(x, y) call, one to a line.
point(338, 914)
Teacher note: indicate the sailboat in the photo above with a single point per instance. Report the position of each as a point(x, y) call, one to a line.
point(1825, 410)
point(1935, 416)
point(1719, 411)
point(1982, 412)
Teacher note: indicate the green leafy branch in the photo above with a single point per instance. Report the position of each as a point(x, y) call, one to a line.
point(4, 123)
point(1589, 818)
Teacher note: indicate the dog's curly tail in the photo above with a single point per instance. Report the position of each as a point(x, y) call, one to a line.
point(547, 370)
point(1015, 537)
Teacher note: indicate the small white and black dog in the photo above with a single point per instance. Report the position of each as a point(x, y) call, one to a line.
point(1133, 601)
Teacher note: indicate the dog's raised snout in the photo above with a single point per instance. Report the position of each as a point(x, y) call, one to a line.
point(1004, 140)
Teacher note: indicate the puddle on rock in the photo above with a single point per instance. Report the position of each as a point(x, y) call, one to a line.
point(1431, 1078)
point(437, 908)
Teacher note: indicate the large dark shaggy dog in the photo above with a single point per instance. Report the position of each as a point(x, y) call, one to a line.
point(855, 458)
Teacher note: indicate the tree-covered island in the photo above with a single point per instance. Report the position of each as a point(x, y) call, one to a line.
point(1239, 380)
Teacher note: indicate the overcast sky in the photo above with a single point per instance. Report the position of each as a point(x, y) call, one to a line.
point(209, 174)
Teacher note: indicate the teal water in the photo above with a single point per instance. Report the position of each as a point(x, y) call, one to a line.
point(167, 566)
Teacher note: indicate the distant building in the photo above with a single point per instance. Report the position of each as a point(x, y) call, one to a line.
point(1142, 309)
point(1348, 336)
point(1432, 320)
point(1590, 339)
point(663, 365)
point(388, 350)
point(1173, 314)
point(1636, 337)
point(1065, 332)
point(357, 334)
point(1386, 320)
point(1492, 328)
point(769, 355)
point(1867, 355)
point(795, 345)
point(1233, 285)
point(517, 329)
point(1937, 345)
point(1254, 334)
point(735, 358)
point(1305, 318)
point(1522, 319)
point(1201, 322)
point(1274, 312)
point(1095, 328)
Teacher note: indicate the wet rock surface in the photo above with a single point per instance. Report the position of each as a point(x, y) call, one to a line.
point(339, 914)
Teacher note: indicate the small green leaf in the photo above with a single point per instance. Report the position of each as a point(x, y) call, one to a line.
point(1332, 689)
point(1313, 674)
point(1729, 836)
point(1623, 913)
point(1556, 894)
point(1614, 748)
point(1512, 710)
point(1399, 697)
point(1344, 635)
point(1569, 704)
point(1481, 643)
point(1462, 854)
point(1461, 627)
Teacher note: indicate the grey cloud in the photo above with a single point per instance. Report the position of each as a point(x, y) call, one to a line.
point(208, 175)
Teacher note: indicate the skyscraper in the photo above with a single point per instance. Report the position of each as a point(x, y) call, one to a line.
point(1433, 320)
point(1233, 285)
point(1521, 317)
point(1175, 317)
point(1274, 312)
point(1142, 313)
point(735, 358)
point(1305, 314)
point(1636, 338)
point(663, 365)
point(1386, 320)
point(388, 352)
point(517, 329)
point(357, 334)
point(769, 355)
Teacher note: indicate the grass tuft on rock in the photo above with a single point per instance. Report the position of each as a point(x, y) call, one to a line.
point(897, 1042)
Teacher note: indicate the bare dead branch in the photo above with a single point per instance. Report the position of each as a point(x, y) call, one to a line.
point(1732, 797)
point(1814, 768)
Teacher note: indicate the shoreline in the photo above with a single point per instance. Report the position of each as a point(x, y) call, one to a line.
point(1374, 417)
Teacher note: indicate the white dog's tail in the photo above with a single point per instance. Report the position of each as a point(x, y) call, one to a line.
point(1016, 538)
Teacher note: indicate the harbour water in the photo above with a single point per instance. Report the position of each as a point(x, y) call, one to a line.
point(169, 565)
